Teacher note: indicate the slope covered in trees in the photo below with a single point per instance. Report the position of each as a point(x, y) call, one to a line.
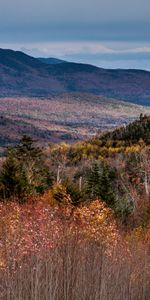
point(107, 167)
point(75, 219)
point(130, 134)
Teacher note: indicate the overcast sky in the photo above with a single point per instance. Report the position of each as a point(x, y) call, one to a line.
point(108, 33)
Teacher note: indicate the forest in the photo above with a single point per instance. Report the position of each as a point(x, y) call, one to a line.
point(75, 219)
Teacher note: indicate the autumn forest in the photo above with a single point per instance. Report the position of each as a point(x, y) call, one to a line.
point(75, 218)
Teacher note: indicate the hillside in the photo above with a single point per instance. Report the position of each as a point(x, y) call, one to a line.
point(130, 134)
point(68, 117)
point(21, 74)
point(75, 219)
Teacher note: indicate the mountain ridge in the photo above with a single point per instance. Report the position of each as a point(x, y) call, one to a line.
point(24, 75)
point(51, 60)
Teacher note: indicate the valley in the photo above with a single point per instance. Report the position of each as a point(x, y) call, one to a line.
point(68, 117)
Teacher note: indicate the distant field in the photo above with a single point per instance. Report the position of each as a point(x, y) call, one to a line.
point(69, 117)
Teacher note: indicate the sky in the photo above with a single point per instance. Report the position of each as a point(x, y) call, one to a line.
point(106, 33)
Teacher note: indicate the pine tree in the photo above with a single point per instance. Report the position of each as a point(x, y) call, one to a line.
point(13, 180)
point(99, 183)
point(24, 172)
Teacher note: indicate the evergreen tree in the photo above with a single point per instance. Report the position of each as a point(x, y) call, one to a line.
point(13, 180)
point(24, 172)
point(99, 182)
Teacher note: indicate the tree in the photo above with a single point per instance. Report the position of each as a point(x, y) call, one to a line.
point(60, 194)
point(76, 195)
point(24, 172)
point(100, 182)
point(13, 180)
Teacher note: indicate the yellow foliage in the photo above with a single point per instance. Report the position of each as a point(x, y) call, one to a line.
point(97, 222)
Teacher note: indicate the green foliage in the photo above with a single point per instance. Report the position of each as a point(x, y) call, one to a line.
point(99, 182)
point(24, 173)
point(123, 207)
point(13, 180)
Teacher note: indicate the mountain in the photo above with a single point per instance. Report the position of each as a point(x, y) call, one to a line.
point(51, 60)
point(21, 74)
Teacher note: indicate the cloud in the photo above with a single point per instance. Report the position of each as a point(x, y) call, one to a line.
point(101, 32)
point(70, 48)
point(64, 48)
point(86, 47)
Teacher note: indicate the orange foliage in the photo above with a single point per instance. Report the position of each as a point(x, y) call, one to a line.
point(33, 227)
point(98, 223)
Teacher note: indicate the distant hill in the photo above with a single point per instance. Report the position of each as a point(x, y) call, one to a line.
point(65, 118)
point(51, 60)
point(23, 75)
